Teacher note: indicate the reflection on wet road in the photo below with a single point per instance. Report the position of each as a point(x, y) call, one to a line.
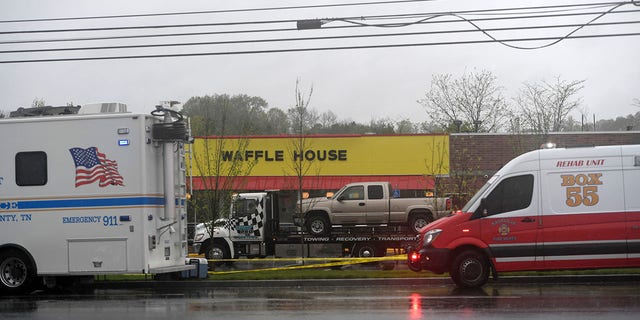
point(569, 301)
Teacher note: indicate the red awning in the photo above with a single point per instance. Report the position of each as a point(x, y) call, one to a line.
point(417, 182)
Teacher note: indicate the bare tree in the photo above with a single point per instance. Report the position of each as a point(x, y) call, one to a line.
point(328, 119)
point(436, 167)
point(219, 164)
point(545, 107)
point(474, 102)
point(465, 175)
point(302, 119)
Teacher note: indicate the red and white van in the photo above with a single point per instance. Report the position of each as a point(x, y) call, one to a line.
point(548, 209)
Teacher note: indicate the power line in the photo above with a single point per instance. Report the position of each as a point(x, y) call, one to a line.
point(163, 35)
point(544, 45)
point(294, 29)
point(214, 11)
point(317, 48)
point(189, 25)
point(140, 46)
point(460, 18)
point(371, 17)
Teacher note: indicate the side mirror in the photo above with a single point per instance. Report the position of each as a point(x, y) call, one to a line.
point(483, 207)
point(481, 211)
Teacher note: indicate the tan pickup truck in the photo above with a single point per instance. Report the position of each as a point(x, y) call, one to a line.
point(370, 204)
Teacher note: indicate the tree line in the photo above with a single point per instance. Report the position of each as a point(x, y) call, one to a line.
point(473, 102)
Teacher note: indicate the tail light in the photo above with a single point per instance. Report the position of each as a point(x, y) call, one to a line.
point(415, 257)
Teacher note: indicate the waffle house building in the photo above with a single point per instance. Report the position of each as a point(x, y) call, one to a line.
point(324, 163)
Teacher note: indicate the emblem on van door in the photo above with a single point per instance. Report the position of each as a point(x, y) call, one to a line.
point(504, 229)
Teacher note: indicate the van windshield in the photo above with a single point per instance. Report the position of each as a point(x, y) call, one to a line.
point(478, 194)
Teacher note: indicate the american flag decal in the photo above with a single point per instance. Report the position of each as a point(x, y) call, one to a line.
point(93, 165)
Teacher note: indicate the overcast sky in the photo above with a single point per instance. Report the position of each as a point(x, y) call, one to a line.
point(359, 84)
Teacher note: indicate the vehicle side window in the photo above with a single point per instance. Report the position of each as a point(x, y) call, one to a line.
point(245, 208)
point(31, 168)
point(511, 194)
point(375, 192)
point(353, 193)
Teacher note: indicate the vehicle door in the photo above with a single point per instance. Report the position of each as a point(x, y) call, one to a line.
point(631, 164)
point(509, 222)
point(584, 221)
point(377, 205)
point(247, 220)
point(349, 207)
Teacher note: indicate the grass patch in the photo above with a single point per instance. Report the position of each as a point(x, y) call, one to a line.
point(288, 274)
point(361, 274)
point(320, 274)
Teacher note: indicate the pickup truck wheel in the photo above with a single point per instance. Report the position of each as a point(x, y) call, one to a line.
point(470, 269)
point(17, 273)
point(318, 225)
point(418, 220)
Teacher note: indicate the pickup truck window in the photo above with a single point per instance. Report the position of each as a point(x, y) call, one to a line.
point(353, 193)
point(511, 194)
point(375, 192)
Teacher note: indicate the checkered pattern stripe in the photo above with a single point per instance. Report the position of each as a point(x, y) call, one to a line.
point(255, 221)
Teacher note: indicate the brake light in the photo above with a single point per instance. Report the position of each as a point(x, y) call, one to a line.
point(415, 256)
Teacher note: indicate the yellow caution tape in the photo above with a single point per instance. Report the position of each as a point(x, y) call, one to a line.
point(336, 262)
point(360, 260)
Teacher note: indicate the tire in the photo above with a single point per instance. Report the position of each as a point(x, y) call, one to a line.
point(217, 251)
point(419, 220)
point(470, 269)
point(17, 272)
point(318, 225)
point(366, 250)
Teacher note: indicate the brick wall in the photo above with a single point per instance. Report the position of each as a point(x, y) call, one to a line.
point(475, 157)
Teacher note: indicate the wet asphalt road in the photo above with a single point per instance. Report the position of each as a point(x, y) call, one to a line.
point(352, 299)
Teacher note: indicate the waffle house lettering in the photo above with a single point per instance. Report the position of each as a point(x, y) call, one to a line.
point(320, 155)
point(250, 155)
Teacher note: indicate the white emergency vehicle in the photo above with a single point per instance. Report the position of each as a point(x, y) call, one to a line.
point(90, 194)
point(549, 209)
